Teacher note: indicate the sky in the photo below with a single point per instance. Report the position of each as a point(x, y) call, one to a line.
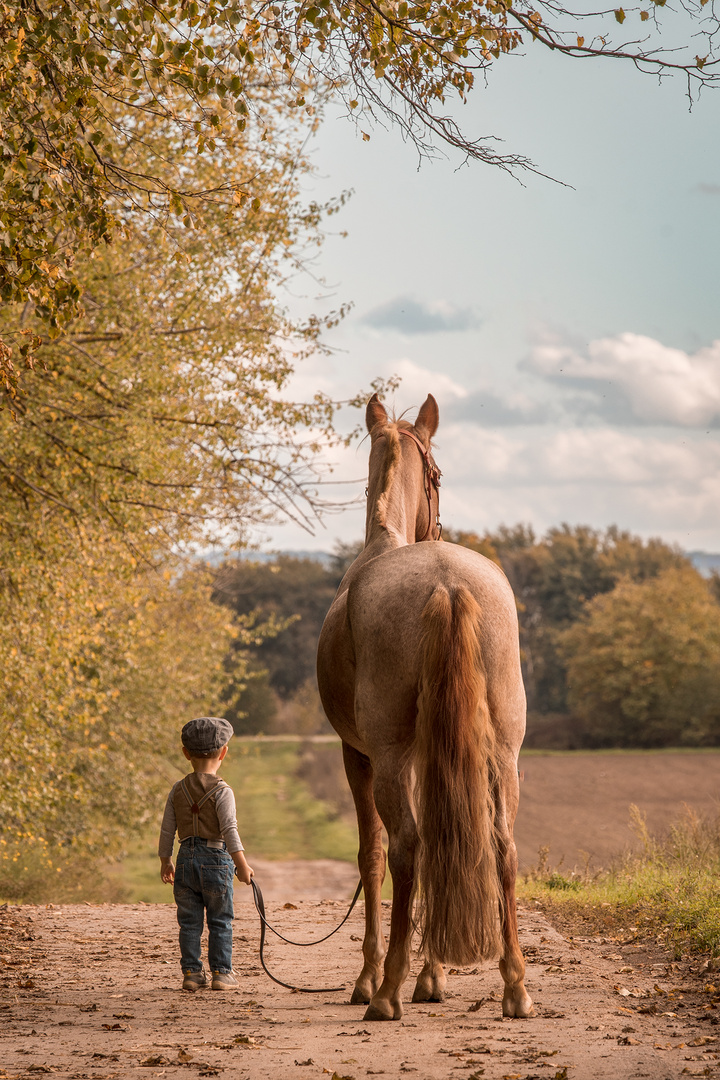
point(570, 330)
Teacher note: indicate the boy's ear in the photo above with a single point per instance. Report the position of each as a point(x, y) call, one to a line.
point(223, 751)
point(186, 752)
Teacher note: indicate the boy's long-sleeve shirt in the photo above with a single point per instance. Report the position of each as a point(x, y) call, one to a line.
point(200, 804)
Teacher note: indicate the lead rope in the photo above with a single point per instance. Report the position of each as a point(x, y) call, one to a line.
point(265, 925)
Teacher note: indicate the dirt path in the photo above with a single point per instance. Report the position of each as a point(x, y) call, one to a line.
point(93, 991)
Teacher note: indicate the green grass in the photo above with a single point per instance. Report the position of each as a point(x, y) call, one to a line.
point(670, 889)
point(279, 818)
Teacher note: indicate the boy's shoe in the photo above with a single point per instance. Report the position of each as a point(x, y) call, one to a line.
point(224, 980)
point(194, 980)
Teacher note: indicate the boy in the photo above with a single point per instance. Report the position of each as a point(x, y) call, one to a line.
point(201, 808)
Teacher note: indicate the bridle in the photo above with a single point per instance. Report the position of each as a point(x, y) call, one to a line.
point(431, 480)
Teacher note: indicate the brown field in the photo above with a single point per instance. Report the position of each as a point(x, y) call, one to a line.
point(578, 803)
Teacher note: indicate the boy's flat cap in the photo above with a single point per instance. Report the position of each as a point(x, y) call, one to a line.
point(206, 733)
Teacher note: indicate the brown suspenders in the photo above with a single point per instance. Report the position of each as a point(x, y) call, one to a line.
point(196, 806)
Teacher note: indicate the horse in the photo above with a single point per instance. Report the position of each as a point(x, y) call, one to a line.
point(419, 673)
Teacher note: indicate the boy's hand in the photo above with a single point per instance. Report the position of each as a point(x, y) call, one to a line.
point(167, 871)
point(242, 869)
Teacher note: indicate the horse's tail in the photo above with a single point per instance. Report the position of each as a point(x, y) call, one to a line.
point(455, 764)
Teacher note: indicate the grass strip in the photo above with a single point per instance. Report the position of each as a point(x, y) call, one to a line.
point(670, 889)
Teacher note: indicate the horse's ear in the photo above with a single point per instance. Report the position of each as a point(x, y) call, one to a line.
point(375, 413)
point(428, 418)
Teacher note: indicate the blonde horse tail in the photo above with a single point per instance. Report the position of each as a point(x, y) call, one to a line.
point(458, 879)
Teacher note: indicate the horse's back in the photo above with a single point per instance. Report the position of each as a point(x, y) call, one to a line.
point(392, 591)
point(383, 627)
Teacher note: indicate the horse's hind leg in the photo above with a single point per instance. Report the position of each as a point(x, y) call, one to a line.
point(392, 798)
point(431, 983)
point(371, 861)
point(516, 1000)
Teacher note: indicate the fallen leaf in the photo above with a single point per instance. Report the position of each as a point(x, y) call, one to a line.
point(477, 1005)
point(156, 1059)
point(308, 1062)
point(290, 907)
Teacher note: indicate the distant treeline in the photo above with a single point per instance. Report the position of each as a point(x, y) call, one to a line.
point(620, 637)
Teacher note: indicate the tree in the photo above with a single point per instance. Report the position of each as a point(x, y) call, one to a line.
point(99, 667)
point(160, 413)
point(157, 422)
point(553, 579)
point(289, 597)
point(643, 664)
point(78, 78)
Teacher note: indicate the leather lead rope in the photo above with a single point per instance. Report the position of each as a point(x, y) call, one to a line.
point(265, 925)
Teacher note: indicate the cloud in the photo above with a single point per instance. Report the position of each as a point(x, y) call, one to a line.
point(634, 379)
point(485, 408)
point(417, 382)
point(530, 453)
point(407, 315)
point(594, 475)
point(601, 456)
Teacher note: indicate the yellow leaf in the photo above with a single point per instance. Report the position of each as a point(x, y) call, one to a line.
point(619, 15)
point(581, 42)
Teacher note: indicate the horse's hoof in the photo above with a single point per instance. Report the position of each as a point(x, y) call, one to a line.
point(374, 1013)
point(518, 1010)
point(423, 994)
point(359, 997)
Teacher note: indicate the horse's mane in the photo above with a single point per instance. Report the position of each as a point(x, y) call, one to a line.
point(387, 471)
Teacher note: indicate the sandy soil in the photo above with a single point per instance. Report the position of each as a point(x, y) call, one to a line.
point(94, 991)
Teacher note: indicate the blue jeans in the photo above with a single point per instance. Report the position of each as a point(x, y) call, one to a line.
point(204, 882)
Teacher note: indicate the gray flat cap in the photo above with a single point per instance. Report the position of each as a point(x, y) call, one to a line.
point(206, 733)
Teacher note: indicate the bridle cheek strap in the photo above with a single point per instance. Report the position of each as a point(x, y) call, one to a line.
point(431, 480)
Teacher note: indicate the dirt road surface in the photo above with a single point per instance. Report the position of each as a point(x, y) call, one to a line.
point(94, 992)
